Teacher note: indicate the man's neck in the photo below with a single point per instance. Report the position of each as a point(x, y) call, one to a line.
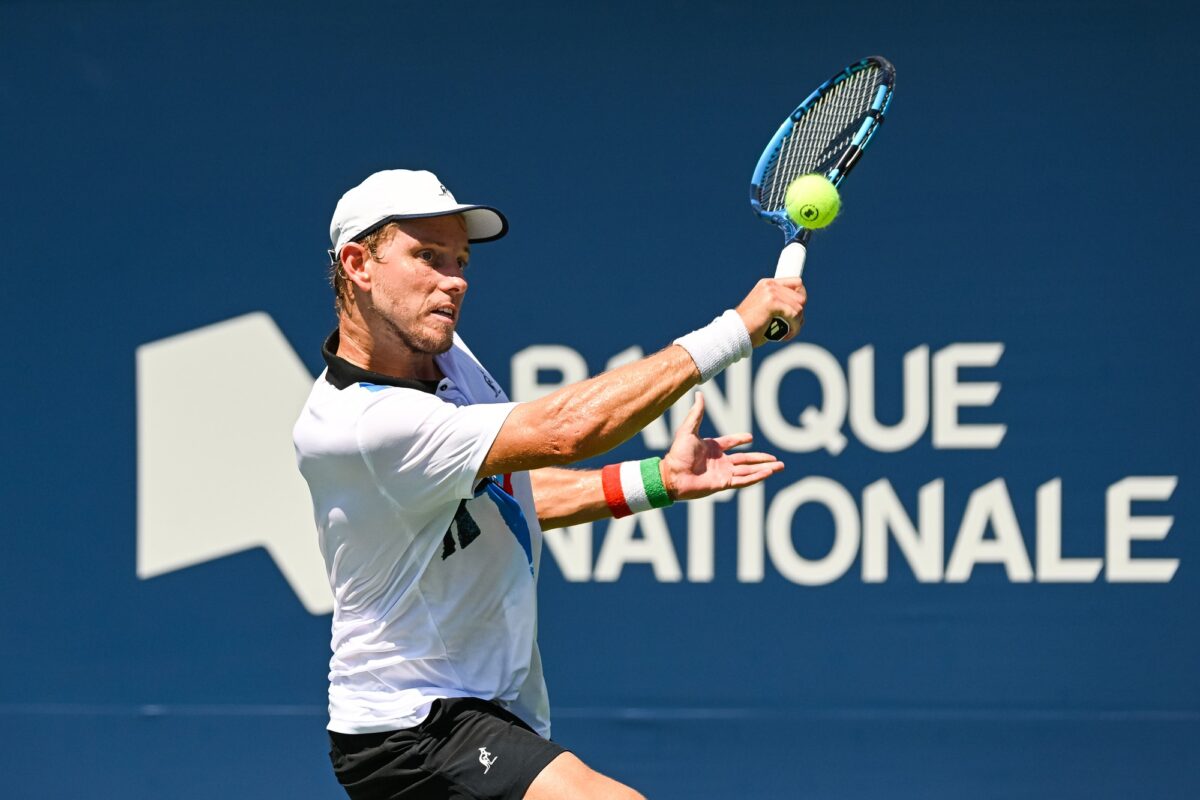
point(360, 344)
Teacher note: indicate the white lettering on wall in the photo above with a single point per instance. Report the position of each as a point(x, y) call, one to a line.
point(653, 547)
point(915, 418)
point(568, 366)
point(951, 394)
point(989, 506)
point(1051, 566)
point(934, 393)
point(840, 504)
point(820, 427)
point(922, 548)
point(1124, 527)
point(572, 550)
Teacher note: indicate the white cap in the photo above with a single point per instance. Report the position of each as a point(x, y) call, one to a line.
point(406, 194)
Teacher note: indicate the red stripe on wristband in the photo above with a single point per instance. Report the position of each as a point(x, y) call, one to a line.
point(610, 480)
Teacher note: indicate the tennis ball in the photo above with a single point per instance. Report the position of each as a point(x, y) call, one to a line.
point(812, 201)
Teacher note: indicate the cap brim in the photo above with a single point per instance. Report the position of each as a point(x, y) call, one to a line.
point(484, 223)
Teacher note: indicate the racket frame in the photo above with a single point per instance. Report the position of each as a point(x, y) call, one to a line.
point(796, 237)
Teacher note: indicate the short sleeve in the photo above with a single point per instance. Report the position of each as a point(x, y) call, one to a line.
point(424, 451)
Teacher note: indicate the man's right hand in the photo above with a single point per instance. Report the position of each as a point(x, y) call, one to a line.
point(770, 298)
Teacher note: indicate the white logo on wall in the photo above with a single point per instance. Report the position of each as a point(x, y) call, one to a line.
point(216, 468)
point(217, 474)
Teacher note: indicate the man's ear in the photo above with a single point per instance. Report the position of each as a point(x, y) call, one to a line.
point(354, 264)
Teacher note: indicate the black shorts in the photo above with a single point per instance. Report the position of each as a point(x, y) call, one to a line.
point(465, 748)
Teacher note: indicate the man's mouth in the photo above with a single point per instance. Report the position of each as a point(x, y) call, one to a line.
point(445, 311)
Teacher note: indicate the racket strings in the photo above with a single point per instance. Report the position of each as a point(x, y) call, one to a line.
point(822, 134)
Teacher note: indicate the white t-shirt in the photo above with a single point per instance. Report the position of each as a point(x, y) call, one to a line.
point(433, 573)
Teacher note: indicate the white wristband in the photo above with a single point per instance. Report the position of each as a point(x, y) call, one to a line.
point(718, 344)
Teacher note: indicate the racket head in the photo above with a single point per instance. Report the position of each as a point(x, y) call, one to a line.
point(825, 135)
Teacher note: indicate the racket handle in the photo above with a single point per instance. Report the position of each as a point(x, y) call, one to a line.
point(791, 265)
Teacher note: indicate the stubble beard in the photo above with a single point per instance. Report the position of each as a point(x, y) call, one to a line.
point(427, 345)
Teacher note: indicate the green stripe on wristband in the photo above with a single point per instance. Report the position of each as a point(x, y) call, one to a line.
point(656, 493)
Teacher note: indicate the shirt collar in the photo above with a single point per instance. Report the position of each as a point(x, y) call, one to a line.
point(342, 374)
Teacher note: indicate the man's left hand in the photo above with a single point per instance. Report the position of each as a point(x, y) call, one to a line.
point(696, 467)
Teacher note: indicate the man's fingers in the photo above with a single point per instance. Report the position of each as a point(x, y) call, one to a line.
point(790, 292)
point(740, 459)
point(773, 297)
point(798, 323)
point(749, 469)
point(692, 422)
point(795, 284)
point(794, 303)
point(732, 440)
point(754, 476)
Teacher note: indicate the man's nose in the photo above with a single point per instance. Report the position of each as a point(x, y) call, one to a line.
point(455, 284)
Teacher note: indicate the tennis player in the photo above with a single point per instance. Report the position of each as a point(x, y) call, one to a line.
point(431, 491)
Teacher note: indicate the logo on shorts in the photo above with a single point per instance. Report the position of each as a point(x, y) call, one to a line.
point(487, 759)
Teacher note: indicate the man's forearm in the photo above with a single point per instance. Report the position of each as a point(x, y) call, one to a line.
point(568, 496)
point(607, 410)
point(593, 416)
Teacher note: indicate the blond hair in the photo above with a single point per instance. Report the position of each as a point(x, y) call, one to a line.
point(342, 296)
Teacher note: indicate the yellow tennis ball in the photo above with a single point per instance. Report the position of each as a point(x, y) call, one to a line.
point(812, 201)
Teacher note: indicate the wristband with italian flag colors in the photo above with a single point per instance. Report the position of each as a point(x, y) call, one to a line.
point(634, 486)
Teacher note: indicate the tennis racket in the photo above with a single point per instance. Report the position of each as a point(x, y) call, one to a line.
point(826, 135)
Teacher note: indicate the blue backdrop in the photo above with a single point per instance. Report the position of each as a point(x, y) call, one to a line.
point(169, 166)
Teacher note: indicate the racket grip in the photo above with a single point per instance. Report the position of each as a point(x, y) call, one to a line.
point(790, 265)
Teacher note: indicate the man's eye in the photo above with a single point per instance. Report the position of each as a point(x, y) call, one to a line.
point(426, 256)
point(462, 263)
